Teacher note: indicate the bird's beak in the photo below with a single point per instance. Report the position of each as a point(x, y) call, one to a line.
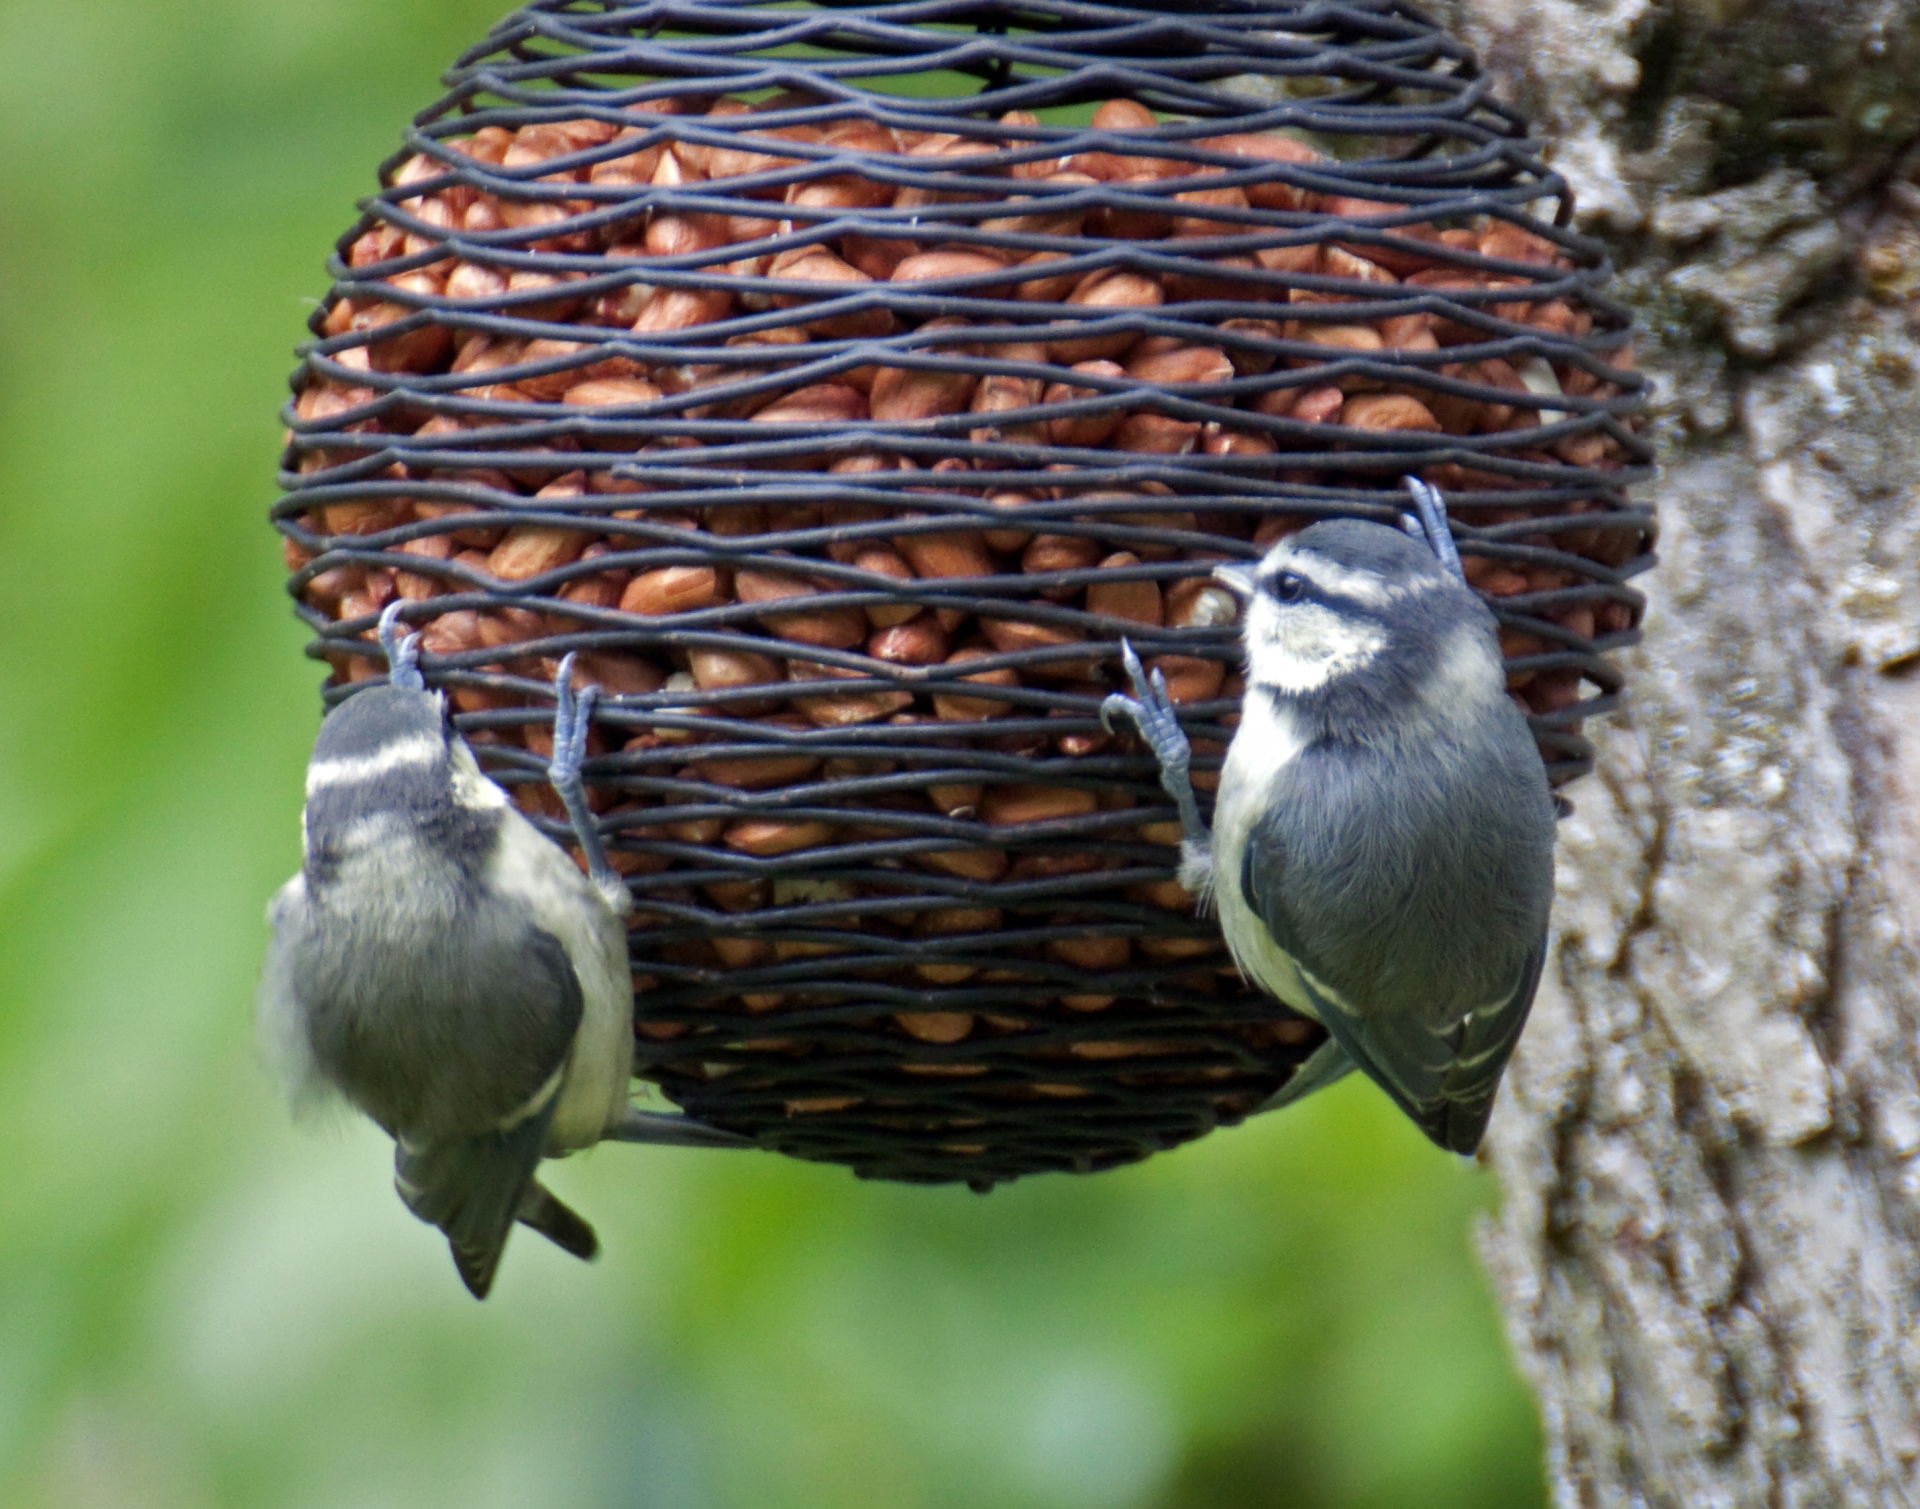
point(1236, 579)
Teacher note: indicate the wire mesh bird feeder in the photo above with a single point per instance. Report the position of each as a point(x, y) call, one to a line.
point(842, 384)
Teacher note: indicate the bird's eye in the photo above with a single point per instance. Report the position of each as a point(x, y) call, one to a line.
point(1288, 588)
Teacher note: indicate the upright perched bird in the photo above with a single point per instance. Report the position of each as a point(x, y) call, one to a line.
point(1382, 847)
point(451, 972)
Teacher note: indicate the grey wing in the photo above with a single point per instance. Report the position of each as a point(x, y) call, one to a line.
point(1444, 1078)
point(474, 1188)
point(1485, 1043)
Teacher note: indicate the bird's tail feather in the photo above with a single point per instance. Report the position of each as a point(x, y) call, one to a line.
point(472, 1188)
point(557, 1223)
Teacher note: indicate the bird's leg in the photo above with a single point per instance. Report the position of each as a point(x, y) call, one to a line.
point(1325, 1065)
point(1150, 710)
point(1432, 510)
point(571, 717)
point(664, 1129)
point(402, 652)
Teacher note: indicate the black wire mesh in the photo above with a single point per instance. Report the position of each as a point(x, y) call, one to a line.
point(842, 384)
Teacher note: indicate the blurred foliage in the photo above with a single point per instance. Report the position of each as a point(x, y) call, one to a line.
point(202, 1305)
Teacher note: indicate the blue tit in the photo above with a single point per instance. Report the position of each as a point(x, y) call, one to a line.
point(1381, 855)
point(448, 970)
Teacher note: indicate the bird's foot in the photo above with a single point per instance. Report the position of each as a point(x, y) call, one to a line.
point(1432, 511)
point(1150, 710)
point(402, 651)
point(572, 716)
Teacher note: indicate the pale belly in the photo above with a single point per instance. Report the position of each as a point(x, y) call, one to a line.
point(1262, 746)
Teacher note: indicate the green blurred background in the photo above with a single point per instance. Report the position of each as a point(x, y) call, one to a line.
point(201, 1304)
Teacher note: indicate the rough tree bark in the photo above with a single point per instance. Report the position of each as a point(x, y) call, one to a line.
point(1709, 1244)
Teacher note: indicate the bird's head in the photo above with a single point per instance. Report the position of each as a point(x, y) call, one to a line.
point(1361, 609)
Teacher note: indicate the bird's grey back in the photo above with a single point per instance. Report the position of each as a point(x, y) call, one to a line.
point(480, 1018)
point(434, 1003)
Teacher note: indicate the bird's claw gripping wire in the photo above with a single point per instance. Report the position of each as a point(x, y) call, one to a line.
point(572, 716)
point(402, 651)
point(1150, 710)
point(1431, 509)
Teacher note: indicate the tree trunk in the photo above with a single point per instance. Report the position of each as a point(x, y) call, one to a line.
point(1709, 1245)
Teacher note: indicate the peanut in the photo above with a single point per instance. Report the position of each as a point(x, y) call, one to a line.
point(950, 262)
point(1049, 553)
point(959, 801)
point(1275, 195)
point(1105, 292)
point(671, 589)
point(904, 395)
point(1189, 678)
point(760, 772)
point(1043, 222)
point(728, 670)
point(883, 560)
point(530, 549)
point(919, 641)
point(1196, 603)
point(822, 405)
point(828, 628)
point(1011, 635)
point(670, 309)
point(958, 707)
point(967, 864)
point(1136, 601)
point(816, 264)
point(1009, 806)
point(843, 709)
point(742, 953)
point(766, 837)
point(1090, 429)
point(1156, 435)
point(947, 554)
point(1204, 224)
point(1045, 288)
point(1387, 411)
point(1007, 539)
point(938, 1026)
point(1092, 953)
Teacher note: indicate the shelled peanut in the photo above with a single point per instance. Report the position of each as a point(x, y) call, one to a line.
point(1086, 563)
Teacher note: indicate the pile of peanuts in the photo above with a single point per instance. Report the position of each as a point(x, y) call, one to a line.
point(548, 484)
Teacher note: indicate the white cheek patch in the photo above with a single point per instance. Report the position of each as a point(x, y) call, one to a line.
point(418, 751)
point(1303, 646)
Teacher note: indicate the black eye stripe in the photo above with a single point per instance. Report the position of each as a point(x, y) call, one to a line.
point(1290, 589)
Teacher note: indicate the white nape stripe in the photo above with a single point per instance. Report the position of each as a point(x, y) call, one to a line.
point(353, 769)
point(471, 788)
point(1468, 678)
point(1360, 586)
